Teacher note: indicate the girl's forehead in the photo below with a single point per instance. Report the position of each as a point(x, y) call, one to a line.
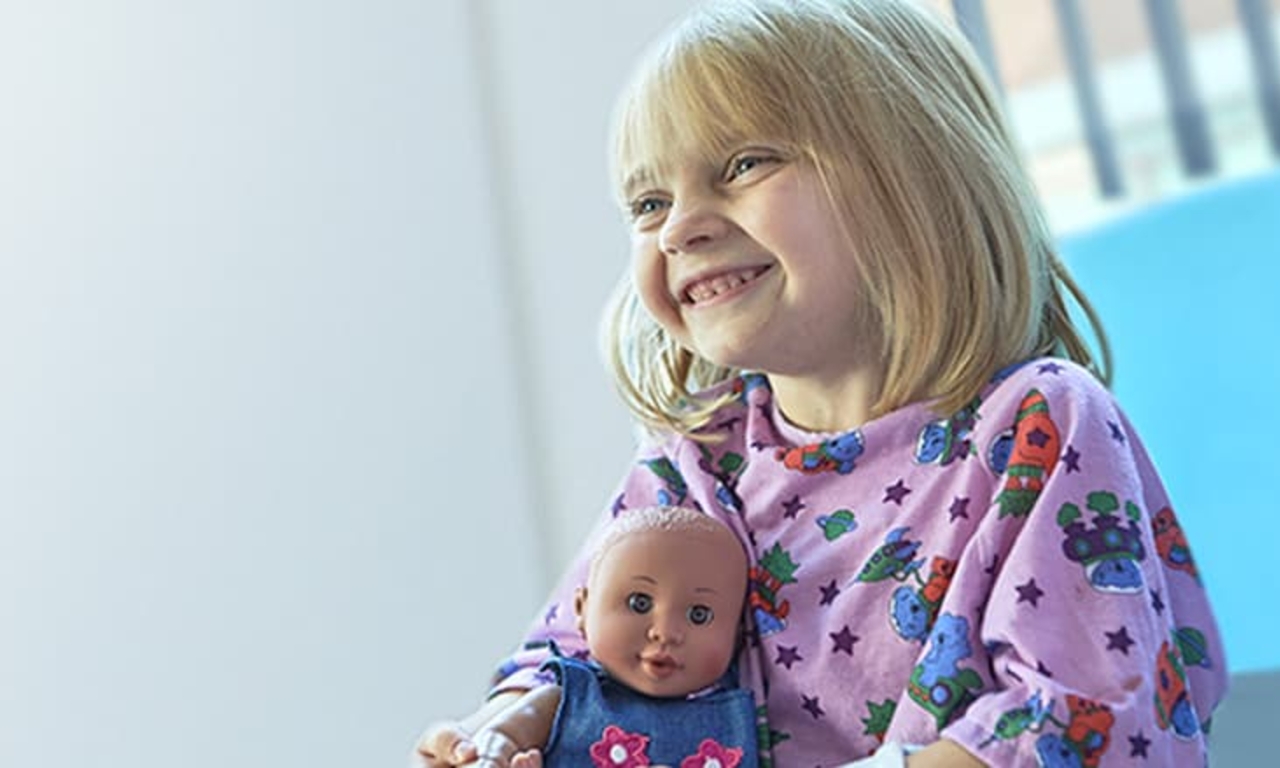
point(664, 162)
point(682, 115)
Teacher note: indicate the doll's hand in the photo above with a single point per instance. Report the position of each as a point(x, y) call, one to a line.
point(444, 745)
point(530, 758)
point(452, 743)
point(495, 749)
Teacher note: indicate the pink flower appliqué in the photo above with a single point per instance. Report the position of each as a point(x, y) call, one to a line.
point(712, 755)
point(616, 747)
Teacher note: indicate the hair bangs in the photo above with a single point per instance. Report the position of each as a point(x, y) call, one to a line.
point(702, 96)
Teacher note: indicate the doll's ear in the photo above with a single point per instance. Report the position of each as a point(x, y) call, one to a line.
point(580, 610)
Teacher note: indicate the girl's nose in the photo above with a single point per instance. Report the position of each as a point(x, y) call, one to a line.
point(690, 226)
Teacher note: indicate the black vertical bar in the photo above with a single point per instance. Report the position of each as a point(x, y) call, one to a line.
point(1190, 126)
point(972, 20)
point(1084, 84)
point(1255, 17)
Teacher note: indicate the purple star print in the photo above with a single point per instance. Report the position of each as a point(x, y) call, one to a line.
point(1030, 593)
point(829, 593)
point(788, 655)
point(844, 640)
point(1138, 744)
point(811, 706)
point(1119, 641)
point(792, 507)
point(1071, 459)
point(896, 492)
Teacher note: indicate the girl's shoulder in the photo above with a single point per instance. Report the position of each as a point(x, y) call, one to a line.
point(1054, 383)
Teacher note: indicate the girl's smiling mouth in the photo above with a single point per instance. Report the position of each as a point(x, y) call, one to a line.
point(705, 288)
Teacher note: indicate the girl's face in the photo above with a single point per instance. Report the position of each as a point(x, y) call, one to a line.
point(743, 260)
point(662, 610)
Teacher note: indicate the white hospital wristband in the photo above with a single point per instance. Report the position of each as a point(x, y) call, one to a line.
point(890, 755)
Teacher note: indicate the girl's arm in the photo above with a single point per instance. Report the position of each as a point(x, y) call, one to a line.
point(1079, 585)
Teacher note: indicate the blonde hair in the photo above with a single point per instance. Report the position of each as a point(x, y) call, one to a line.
point(889, 105)
point(660, 519)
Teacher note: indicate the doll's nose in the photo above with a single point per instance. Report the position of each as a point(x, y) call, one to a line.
point(666, 629)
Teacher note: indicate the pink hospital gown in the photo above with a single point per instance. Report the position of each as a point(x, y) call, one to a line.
point(1012, 577)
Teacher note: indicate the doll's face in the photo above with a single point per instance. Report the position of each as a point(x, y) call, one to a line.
point(662, 610)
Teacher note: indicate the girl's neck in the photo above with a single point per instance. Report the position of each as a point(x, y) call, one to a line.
point(837, 404)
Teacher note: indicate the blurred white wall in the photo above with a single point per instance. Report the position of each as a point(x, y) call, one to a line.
point(557, 68)
point(301, 408)
point(272, 454)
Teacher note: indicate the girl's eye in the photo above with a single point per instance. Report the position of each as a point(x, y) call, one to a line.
point(700, 615)
point(639, 602)
point(645, 206)
point(745, 164)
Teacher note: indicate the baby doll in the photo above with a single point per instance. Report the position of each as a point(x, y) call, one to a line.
point(660, 614)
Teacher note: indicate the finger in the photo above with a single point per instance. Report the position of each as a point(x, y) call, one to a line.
point(445, 744)
point(464, 751)
point(531, 758)
point(495, 745)
point(419, 760)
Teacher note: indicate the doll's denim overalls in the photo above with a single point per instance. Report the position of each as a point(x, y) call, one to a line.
point(601, 722)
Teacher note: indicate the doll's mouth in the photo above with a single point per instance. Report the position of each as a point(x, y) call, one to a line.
point(659, 665)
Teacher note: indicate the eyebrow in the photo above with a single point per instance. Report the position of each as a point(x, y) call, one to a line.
point(651, 580)
point(637, 178)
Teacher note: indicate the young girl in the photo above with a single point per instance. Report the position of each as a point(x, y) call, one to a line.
point(848, 331)
point(660, 617)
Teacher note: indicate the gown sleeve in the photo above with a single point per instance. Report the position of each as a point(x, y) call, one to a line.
point(1103, 649)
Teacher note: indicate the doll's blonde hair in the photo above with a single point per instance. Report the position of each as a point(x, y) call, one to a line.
point(889, 104)
point(680, 520)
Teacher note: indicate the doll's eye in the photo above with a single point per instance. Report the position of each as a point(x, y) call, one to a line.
point(639, 602)
point(700, 615)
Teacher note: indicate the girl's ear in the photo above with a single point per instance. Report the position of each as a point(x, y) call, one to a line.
point(580, 610)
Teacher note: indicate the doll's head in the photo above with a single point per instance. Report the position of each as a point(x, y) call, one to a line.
point(663, 601)
point(886, 103)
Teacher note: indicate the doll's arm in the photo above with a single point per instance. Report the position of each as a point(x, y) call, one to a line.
point(449, 743)
point(523, 726)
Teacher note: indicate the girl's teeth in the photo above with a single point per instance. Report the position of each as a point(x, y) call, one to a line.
point(709, 289)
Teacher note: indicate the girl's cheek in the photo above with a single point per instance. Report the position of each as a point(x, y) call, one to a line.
point(649, 274)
